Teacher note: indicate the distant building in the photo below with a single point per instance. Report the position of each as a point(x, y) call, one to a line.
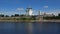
point(48, 15)
point(39, 16)
point(39, 13)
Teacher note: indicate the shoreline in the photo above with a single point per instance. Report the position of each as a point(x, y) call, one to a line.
point(29, 21)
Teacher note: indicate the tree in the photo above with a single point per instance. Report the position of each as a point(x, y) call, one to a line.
point(16, 15)
point(12, 15)
point(33, 17)
point(22, 15)
point(59, 14)
point(1, 15)
point(7, 16)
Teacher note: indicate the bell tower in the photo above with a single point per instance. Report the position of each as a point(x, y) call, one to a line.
point(29, 11)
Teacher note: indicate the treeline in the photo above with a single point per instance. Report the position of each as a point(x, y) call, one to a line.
point(14, 18)
point(19, 17)
point(52, 17)
point(16, 15)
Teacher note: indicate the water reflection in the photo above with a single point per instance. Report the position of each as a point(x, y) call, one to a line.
point(29, 28)
point(20, 28)
point(38, 28)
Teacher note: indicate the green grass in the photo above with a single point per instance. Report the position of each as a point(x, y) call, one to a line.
point(17, 18)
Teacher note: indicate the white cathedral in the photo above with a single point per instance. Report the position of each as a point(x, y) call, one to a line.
point(29, 11)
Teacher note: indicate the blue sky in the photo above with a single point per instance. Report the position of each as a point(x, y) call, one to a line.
point(9, 7)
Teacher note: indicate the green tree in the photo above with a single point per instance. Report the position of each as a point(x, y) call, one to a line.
point(22, 15)
point(33, 17)
point(12, 15)
point(6, 15)
point(1, 15)
point(59, 14)
point(16, 15)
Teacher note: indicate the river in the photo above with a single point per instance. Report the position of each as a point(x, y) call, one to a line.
point(29, 28)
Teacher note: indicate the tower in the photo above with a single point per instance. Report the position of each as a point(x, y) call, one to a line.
point(29, 11)
point(39, 13)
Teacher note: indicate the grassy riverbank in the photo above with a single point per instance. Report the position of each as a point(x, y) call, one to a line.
point(25, 19)
point(16, 18)
point(30, 21)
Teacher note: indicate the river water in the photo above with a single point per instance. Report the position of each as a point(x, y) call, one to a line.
point(29, 28)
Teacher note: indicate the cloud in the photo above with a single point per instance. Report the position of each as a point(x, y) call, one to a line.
point(45, 6)
point(19, 9)
point(54, 11)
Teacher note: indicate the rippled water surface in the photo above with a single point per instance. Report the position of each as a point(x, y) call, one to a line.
point(29, 28)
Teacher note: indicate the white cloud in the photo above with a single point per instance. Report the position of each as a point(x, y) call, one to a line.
point(55, 12)
point(19, 9)
point(45, 6)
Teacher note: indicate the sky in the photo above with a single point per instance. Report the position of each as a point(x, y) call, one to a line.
point(10, 7)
